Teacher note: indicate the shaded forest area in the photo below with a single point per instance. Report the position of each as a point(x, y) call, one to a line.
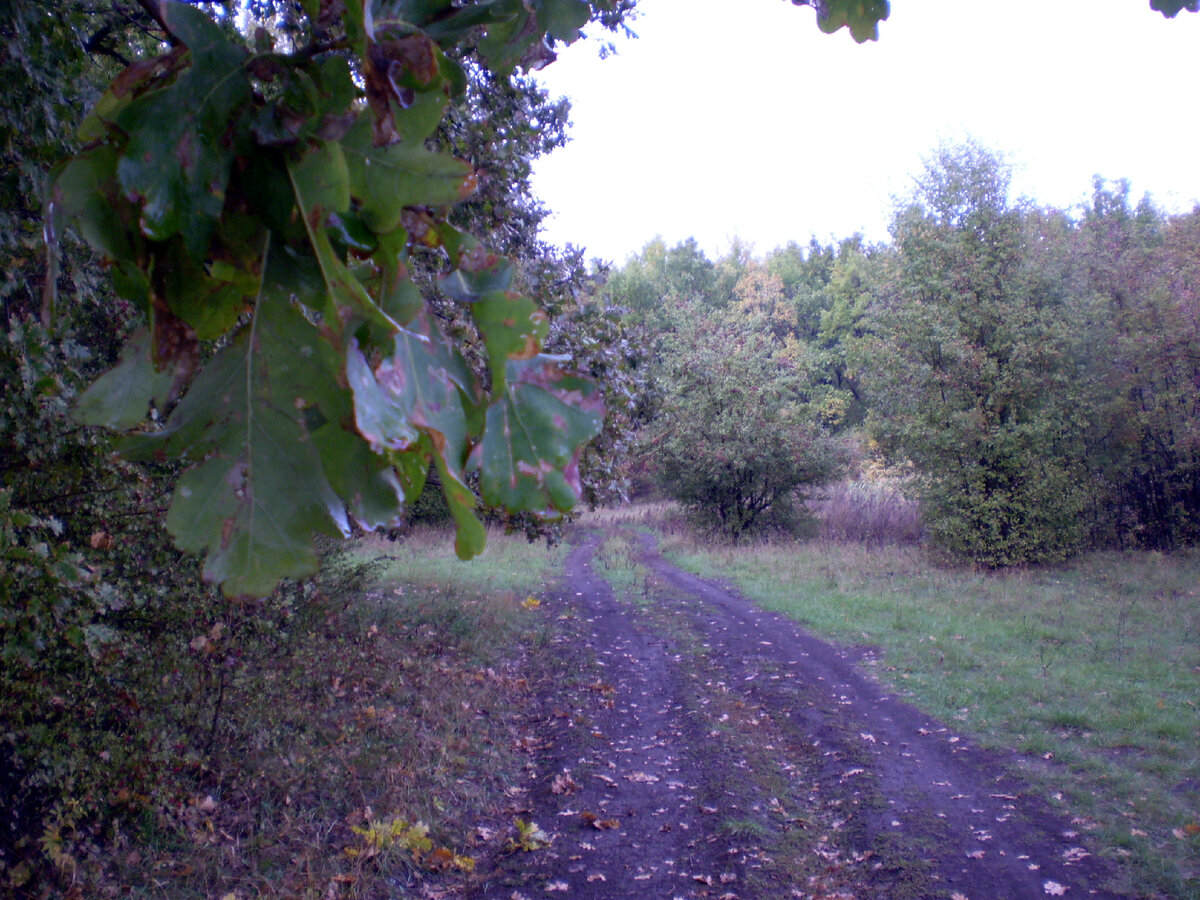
point(1031, 376)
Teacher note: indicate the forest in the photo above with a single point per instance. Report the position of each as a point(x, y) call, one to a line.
point(1029, 375)
point(271, 282)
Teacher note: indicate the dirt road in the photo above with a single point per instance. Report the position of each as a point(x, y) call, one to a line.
point(693, 745)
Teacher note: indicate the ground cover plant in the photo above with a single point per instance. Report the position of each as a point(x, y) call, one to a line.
point(1088, 669)
point(356, 735)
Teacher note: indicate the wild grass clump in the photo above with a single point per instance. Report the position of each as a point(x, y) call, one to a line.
point(869, 512)
point(655, 514)
point(1088, 669)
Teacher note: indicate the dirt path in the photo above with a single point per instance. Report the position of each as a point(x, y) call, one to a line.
point(697, 746)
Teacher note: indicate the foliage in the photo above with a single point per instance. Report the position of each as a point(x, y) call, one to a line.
point(972, 370)
point(530, 837)
point(657, 281)
point(861, 17)
point(256, 213)
point(1139, 269)
point(113, 699)
point(737, 438)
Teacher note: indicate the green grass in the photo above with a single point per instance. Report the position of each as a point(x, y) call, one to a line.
point(1091, 670)
point(510, 563)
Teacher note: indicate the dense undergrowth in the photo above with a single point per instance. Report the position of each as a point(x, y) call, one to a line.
point(344, 738)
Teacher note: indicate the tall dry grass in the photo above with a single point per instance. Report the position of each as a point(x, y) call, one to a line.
point(868, 512)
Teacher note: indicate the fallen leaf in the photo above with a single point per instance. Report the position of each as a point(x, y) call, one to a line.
point(557, 886)
point(1054, 889)
point(1072, 855)
point(958, 896)
point(590, 818)
point(563, 783)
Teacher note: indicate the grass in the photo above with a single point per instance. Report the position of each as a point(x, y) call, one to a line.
point(1090, 670)
point(363, 738)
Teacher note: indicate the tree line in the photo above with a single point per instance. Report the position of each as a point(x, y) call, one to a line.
point(1035, 371)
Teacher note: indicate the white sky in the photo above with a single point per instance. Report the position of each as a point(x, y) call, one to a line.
point(739, 117)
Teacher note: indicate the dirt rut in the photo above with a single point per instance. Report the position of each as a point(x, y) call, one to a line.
point(703, 747)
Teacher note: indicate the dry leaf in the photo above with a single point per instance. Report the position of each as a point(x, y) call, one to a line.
point(641, 778)
point(1073, 855)
point(590, 818)
point(563, 783)
point(1054, 889)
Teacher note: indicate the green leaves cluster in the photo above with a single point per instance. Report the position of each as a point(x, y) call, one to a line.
point(862, 17)
point(744, 426)
point(264, 215)
point(973, 368)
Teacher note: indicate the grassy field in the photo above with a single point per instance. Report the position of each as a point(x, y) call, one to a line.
point(1089, 670)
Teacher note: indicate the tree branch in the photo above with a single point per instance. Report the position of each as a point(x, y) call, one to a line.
point(154, 11)
point(96, 44)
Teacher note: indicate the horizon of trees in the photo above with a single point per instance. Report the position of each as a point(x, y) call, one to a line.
point(1035, 370)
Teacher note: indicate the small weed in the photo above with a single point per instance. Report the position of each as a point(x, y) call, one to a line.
point(743, 828)
point(530, 837)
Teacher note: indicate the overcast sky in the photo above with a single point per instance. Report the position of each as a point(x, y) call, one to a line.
point(739, 117)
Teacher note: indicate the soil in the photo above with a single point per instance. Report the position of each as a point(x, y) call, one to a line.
point(694, 745)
